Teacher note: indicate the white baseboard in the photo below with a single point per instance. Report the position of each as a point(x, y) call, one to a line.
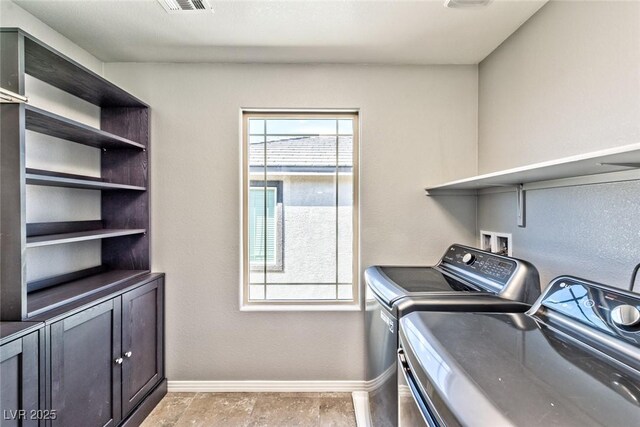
point(361, 408)
point(266, 386)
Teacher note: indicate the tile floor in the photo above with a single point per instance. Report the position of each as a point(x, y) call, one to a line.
point(253, 410)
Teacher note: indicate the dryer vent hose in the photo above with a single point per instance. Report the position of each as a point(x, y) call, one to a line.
point(633, 277)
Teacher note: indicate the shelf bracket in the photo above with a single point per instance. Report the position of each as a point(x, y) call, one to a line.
point(521, 205)
point(625, 165)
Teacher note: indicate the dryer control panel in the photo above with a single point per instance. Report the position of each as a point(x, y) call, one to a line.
point(490, 266)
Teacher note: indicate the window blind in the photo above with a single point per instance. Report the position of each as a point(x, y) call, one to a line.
point(261, 227)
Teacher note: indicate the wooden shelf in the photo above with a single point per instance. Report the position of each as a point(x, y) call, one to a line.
point(58, 179)
point(617, 159)
point(81, 236)
point(48, 123)
point(49, 65)
point(56, 296)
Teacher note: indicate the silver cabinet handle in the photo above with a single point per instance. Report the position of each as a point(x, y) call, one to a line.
point(119, 361)
point(128, 354)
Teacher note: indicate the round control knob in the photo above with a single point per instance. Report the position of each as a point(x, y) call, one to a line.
point(468, 258)
point(625, 315)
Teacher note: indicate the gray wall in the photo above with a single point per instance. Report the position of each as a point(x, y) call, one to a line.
point(418, 125)
point(589, 231)
point(567, 82)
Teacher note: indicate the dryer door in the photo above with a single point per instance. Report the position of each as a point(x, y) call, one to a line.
point(413, 410)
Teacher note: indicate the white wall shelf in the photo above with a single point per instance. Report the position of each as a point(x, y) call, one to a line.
point(610, 165)
point(603, 162)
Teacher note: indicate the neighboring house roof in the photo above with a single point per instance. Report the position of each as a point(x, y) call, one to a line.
point(308, 153)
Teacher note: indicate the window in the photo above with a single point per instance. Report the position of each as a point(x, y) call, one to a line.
point(300, 208)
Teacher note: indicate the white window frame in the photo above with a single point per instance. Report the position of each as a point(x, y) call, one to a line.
point(298, 305)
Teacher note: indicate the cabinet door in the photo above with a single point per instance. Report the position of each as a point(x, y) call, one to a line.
point(142, 342)
point(19, 387)
point(85, 367)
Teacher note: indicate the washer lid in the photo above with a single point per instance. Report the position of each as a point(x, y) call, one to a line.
point(461, 270)
point(392, 283)
point(424, 279)
point(509, 369)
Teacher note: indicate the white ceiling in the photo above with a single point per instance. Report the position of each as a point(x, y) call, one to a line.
point(316, 31)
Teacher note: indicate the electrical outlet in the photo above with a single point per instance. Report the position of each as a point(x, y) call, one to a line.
point(504, 244)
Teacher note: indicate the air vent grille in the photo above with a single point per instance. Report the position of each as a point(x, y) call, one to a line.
point(198, 5)
point(179, 6)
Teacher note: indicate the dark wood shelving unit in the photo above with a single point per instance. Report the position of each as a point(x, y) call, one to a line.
point(67, 180)
point(123, 140)
point(41, 121)
point(111, 311)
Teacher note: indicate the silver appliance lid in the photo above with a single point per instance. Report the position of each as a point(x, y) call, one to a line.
point(462, 270)
point(392, 283)
point(557, 365)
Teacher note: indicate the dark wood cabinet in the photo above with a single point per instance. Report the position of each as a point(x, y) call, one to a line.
point(142, 342)
point(107, 359)
point(85, 367)
point(20, 376)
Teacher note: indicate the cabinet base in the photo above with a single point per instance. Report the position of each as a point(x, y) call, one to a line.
point(144, 409)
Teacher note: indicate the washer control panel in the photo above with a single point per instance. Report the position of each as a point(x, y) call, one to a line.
point(490, 266)
point(609, 310)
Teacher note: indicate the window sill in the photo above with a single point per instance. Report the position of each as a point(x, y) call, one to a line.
point(279, 306)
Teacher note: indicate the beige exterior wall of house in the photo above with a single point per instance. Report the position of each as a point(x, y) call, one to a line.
point(311, 254)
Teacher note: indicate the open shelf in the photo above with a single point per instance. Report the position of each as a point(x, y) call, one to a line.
point(51, 66)
point(64, 293)
point(58, 179)
point(80, 236)
point(48, 123)
point(617, 159)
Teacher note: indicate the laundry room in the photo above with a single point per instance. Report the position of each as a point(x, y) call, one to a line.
point(319, 213)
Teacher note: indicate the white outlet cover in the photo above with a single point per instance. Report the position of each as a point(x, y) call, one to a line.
point(509, 238)
point(494, 245)
point(492, 240)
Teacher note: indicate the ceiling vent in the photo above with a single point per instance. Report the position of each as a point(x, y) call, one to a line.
point(179, 6)
point(461, 4)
